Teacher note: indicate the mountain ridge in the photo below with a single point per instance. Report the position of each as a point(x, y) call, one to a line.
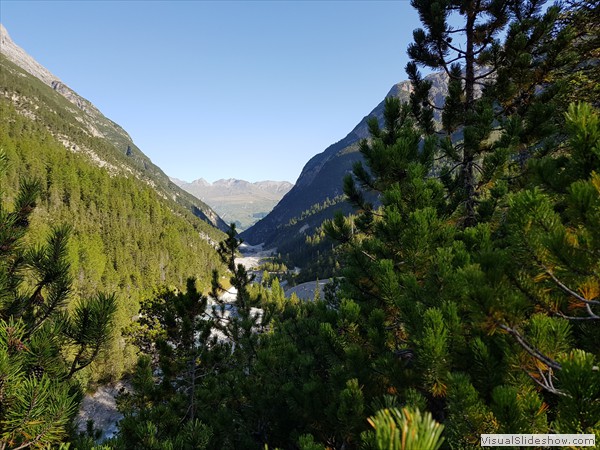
point(239, 201)
point(321, 179)
point(95, 124)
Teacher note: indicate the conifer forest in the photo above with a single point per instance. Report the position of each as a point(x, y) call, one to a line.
point(463, 266)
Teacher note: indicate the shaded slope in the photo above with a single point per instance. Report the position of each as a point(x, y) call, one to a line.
point(322, 176)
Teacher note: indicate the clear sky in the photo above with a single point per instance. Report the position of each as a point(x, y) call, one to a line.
point(229, 89)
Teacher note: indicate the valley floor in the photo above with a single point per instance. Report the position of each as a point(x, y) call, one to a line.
point(254, 255)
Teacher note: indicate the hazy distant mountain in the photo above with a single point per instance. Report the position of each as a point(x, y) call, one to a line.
point(309, 202)
point(124, 157)
point(238, 201)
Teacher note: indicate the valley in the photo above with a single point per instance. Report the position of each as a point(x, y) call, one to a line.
point(238, 201)
point(431, 278)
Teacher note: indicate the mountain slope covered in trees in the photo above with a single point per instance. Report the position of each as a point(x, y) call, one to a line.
point(129, 234)
point(120, 153)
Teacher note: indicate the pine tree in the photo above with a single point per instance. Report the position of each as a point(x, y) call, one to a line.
point(42, 345)
point(391, 249)
point(498, 63)
point(554, 226)
point(467, 321)
point(244, 321)
point(175, 332)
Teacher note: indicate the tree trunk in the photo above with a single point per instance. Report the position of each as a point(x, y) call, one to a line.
point(469, 153)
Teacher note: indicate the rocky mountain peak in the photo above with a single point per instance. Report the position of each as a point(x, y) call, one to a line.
point(21, 58)
point(199, 182)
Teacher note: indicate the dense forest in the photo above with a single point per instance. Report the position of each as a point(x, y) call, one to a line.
point(468, 300)
point(114, 240)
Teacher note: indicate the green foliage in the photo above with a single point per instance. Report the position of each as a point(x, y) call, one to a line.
point(42, 344)
point(468, 415)
point(510, 50)
point(504, 300)
point(314, 209)
point(273, 266)
point(470, 289)
point(124, 238)
point(245, 321)
point(37, 407)
point(405, 429)
point(466, 323)
point(579, 409)
point(174, 332)
point(307, 442)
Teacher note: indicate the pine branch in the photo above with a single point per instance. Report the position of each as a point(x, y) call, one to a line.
point(569, 291)
point(592, 316)
point(530, 348)
point(433, 106)
point(548, 386)
point(485, 75)
point(49, 425)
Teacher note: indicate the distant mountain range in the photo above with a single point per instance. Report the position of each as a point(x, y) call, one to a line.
point(300, 210)
point(238, 201)
point(318, 191)
point(95, 124)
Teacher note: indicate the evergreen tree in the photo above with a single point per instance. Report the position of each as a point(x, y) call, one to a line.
point(474, 324)
point(174, 331)
point(498, 62)
point(42, 345)
point(244, 321)
point(554, 226)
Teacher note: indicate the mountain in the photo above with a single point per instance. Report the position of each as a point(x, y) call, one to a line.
point(132, 229)
point(126, 156)
point(318, 191)
point(238, 201)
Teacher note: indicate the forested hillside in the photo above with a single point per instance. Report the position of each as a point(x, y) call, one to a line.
point(125, 237)
point(112, 147)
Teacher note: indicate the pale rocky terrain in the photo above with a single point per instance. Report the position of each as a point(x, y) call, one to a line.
point(306, 291)
point(101, 408)
point(18, 56)
point(253, 255)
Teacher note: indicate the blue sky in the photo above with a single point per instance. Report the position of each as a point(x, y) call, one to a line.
point(248, 89)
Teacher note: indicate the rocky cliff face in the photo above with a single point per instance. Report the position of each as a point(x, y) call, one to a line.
point(321, 177)
point(238, 201)
point(19, 57)
point(124, 156)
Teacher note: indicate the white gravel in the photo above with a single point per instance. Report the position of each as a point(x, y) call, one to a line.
point(101, 407)
point(253, 255)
